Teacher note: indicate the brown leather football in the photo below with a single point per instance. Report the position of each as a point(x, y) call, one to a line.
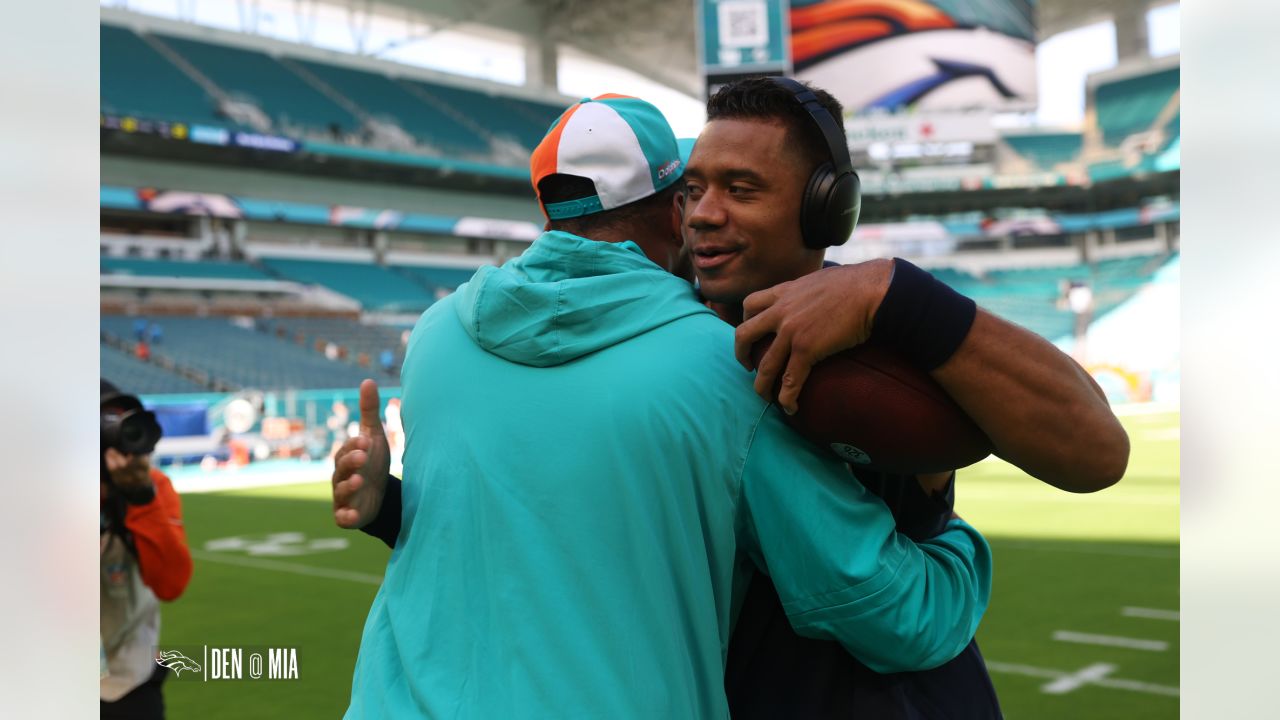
point(877, 411)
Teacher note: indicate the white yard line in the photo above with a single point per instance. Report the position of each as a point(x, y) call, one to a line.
point(1150, 613)
point(288, 567)
point(1110, 641)
point(1107, 682)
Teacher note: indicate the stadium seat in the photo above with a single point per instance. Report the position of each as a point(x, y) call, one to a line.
point(374, 286)
point(443, 278)
point(521, 121)
point(286, 98)
point(1128, 106)
point(383, 98)
point(181, 268)
point(137, 80)
point(241, 357)
point(1048, 150)
point(141, 378)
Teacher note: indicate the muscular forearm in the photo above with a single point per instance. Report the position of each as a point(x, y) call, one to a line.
point(1041, 410)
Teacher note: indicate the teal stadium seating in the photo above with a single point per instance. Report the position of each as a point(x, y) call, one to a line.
point(519, 120)
point(126, 371)
point(262, 80)
point(1029, 296)
point(382, 97)
point(241, 357)
point(181, 268)
point(437, 277)
point(374, 286)
point(137, 80)
point(356, 336)
point(1128, 106)
point(1048, 150)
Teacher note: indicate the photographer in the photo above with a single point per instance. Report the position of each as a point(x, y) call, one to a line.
point(144, 556)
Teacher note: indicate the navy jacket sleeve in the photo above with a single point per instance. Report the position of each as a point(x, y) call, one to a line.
point(386, 524)
point(917, 514)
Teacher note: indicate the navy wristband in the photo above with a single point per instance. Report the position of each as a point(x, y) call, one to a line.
point(922, 317)
point(386, 524)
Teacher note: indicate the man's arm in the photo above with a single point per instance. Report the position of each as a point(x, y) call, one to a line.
point(841, 570)
point(161, 541)
point(1041, 410)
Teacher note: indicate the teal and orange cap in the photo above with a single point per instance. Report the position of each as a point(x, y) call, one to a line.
point(622, 144)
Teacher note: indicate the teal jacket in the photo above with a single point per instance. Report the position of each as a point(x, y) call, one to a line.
point(588, 477)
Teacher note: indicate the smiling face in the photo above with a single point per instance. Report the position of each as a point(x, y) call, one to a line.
point(742, 214)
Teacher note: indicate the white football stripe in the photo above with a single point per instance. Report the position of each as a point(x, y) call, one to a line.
point(1150, 613)
point(1110, 641)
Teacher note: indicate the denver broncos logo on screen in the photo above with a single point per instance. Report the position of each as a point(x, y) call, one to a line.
point(892, 54)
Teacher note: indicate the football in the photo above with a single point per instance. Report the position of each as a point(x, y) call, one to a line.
point(877, 411)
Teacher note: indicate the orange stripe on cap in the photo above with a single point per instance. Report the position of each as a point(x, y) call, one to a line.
point(543, 161)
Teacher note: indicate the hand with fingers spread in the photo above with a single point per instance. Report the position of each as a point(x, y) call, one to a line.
point(361, 466)
point(812, 318)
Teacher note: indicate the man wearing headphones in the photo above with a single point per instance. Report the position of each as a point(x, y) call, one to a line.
point(770, 187)
point(750, 227)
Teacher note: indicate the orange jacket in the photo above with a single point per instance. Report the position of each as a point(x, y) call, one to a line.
point(161, 541)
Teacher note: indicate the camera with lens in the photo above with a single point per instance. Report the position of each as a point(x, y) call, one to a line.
point(126, 425)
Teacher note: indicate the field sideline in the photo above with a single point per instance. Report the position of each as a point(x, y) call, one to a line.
point(1083, 620)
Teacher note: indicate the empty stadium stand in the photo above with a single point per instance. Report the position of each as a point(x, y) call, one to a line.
point(521, 121)
point(247, 75)
point(240, 357)
point(1132, 105)
point(1046, 150)
point(143, 76)
point(1030, 296)
point(374, 286)
point(126, 371)
point(384, 98)
point(442, 278)
point(181, 268)
point(137, 80)
point(359, 338)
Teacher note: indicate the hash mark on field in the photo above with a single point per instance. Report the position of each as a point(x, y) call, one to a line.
point(1110, 641)
point(1150, 613)
point(288, 567)
point(1106, 682)
point(1078, 679)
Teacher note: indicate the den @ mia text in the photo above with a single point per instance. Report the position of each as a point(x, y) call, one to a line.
point(231, 663)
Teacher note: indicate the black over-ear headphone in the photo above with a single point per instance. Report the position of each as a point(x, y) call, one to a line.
point(833, 198)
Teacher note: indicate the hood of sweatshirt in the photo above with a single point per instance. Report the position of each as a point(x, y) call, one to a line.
point(567, 296)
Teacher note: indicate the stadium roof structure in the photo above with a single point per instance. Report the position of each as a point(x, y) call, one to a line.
point(654, 39)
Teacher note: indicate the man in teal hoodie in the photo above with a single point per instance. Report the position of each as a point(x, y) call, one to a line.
point(589, 478)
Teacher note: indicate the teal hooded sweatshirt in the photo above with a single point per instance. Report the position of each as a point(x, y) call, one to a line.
point(588, 477)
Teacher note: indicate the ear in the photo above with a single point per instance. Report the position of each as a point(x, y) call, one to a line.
point(677, 215)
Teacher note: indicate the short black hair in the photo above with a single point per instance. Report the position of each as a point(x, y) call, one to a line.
point(759, 98)
point(559, 187)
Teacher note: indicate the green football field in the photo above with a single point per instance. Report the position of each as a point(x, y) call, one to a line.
point(1083, 620)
